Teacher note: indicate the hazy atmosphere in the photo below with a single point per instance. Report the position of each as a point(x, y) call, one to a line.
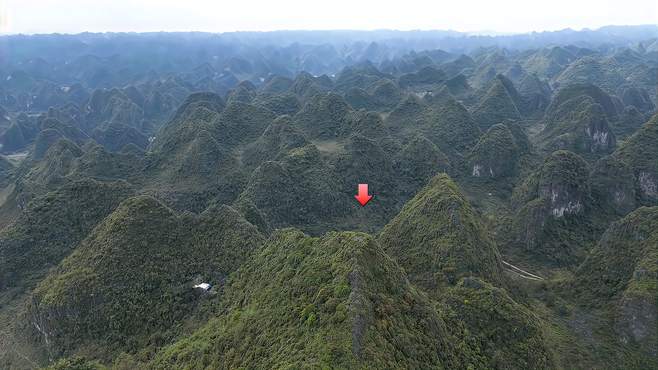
point(201, 185)
point(508, 16)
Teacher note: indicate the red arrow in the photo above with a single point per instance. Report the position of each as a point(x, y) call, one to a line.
point(363, 196)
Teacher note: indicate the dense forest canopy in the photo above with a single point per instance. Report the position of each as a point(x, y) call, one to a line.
point(186, 200)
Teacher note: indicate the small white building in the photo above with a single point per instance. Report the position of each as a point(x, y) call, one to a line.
point(205, 286)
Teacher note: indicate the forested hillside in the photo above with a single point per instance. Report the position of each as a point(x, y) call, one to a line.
point(191, 205)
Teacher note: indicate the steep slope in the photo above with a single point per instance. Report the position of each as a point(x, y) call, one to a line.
point(6, 170)
point(132, 276)
point(240, 123)
point(578, 91)
point(52, 225)
point(335, 301)
point(365, 161)
point(383, 94)
point(446, 123)
point(536, 94)
point(111, 106)
point(549, 62)
point(584, 130)
point(640, 152)
point(589, 69)
point(325, 116)
point(279, 103)
point(445, 249)
point(496, 106)
point(419, 160)
point(437, 238)
point(194, 158)
point(495, 155)
point(552, 221)
point(621, 275)
point(277, 140)
point(115, 136)
point(481, 315)
point(299, 190)
point(613, 185)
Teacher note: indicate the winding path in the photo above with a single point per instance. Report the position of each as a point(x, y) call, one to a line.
point(522, 273)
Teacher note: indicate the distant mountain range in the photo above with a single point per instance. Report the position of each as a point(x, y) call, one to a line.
point(186, 200)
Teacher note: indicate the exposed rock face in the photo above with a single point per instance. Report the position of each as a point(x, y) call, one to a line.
point(647, 184)
point(584, 130)
point(553, 203)
point(563, 199)
point(601, 137)
point(564, 183)
point(569, 208)
point(640, 153)
point(477, 170)
point(495, 155)
point(578, 120)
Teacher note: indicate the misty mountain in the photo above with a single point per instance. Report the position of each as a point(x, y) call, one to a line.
point(186, 200)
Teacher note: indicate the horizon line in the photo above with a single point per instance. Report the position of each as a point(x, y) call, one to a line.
point(481, 33)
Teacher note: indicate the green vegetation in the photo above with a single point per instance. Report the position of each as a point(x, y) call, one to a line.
point(640, 153)
point(496, 106)
point(437, 238)
point(512, 225)
point(580, 126)
point(554, 203)
point(495, 155)
point(75, 363)
point(446, 123)
point(504, 333)
point(621, 276)
point(335, 301)
point(613, 185)
point(52, 225)
point(298, 188)
point(6, 170)
point(325, 116)
point(420, 160)
point(129, 283)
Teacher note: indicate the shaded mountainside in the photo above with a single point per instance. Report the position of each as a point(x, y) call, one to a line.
point(620, 275)
point(640, 152)
point(52, 225)
point(496, 153)
point(496, 106)
point(131, 277)
point(587, 133)
point(553, 222)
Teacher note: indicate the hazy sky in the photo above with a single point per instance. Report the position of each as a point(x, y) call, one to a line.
point(72, 16)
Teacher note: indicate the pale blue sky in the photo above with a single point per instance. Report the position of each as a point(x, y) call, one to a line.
point(72, 16)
